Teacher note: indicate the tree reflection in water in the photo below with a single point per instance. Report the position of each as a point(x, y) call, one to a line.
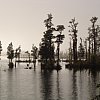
point(74, 85)
point(50, 88)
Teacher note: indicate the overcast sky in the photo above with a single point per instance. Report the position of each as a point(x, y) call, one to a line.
point(21, 21)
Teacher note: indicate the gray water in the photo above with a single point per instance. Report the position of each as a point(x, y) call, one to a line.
point(34, 84)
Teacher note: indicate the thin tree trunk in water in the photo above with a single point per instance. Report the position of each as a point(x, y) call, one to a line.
point(58, 49)
point(89, 51)
point(75, 50)
point(50, 52)
point(86, 50)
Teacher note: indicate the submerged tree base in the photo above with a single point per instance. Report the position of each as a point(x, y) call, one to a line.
point(47, 66)
point(11, 65)
point(81, 65)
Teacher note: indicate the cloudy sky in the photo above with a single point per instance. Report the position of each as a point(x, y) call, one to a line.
point(21, 21)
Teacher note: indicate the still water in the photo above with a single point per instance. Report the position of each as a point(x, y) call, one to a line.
point(34, 84)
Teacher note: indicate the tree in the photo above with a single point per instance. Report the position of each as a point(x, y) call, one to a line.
point(0, 47)
point(27, 52)
point(94, 33)
point(85, 46)
point(59, 40)
point(73, 26)
point(93, 38)
point(34, 52)
point(17, 52)
point(47, 45)
point(81, 50)
point(10, 53)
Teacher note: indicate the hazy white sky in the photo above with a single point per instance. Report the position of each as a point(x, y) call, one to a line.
point(21, 21)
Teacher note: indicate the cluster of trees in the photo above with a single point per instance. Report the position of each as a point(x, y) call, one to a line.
point(47, 47)
point(90, 48)
point(11, 54)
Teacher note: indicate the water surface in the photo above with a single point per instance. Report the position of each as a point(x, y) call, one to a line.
point(34, 84)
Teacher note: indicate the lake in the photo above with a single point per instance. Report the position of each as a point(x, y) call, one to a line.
point(33, 84)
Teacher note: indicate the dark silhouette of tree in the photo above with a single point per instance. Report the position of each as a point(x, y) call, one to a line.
point(0, 47)
point(34, 54)
point(93, 38)
point(89, 48)
point(86, 51)
point(27, 52)
point(70, 52)
point(10, 53)
point(94, 33)
point(81, 50)
point(73, 26)
point(47, 45)
point(59, 40)
point(17, 53)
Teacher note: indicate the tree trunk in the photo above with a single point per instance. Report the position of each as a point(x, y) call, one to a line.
point(58, 49)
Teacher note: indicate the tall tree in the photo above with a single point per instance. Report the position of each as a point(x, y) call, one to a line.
point(34, 54)
point(73, 26)
point(59, 40)
point(85, 45)
point(70, 51)
point(94, 32)
point(47, 45)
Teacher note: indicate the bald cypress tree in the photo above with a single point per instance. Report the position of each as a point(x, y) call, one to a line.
point(10, 53)
point(73, 30)
point(59, 40)
point(46, 51)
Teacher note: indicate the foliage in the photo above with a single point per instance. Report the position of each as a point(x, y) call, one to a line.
point(59, 40)
point(17, 52)
point(81, 50)
point(34, 52)
point(47, 45)
point(10, 52)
